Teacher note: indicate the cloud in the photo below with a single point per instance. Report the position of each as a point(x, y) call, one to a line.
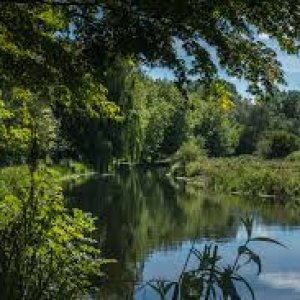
point(284, 280)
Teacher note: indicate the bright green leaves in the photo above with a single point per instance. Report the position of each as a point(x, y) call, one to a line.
point(223, 95)
point(21, 113)
point(94, 97)
point(33, 52)
point(4, 112)
point(10, 208)
point(52, 19)
point(211, 118)
point(15, 135)
point(36, 227)
point(90, 100)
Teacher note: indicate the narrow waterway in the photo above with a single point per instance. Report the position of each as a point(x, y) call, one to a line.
point(149, 224)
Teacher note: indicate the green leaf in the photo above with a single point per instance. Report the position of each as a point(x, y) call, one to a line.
point(268, 240)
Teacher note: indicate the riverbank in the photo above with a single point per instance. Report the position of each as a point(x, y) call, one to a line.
point(275, 180)
point(62, 172)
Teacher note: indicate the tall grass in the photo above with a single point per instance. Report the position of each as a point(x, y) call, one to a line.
point(278, 180)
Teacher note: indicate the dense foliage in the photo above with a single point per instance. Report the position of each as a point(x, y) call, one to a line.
point(274, 181)
point(72, 86)
point(78, 63)
point(58, 41)
point(47, 251)
point(138, 119)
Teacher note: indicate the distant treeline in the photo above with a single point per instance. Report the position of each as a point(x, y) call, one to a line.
point(139, 119)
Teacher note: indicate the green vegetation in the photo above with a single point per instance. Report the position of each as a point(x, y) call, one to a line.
point(67, 169)
point(276, 181)
point(245, 175)
point(82, 91)
point(11, 176)
point(293, 157)
point(47, 251)
point(73, 88)
point(148, 120)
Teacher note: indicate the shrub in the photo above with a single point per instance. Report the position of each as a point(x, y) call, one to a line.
point(294, 156)
point(189, 156)
point(253, 179)
point(277, 144)
point(47, 251)
point(191, 150)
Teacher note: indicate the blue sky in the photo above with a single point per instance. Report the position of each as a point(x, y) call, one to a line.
point(290, 66)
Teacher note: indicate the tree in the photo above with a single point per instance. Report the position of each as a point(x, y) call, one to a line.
point(57, 40)
point(211, 118)
point(264, 122)
point(21, 114)
point(277, 144)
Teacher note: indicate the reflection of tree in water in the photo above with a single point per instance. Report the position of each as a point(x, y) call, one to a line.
point(142, 212)
point(209, 277)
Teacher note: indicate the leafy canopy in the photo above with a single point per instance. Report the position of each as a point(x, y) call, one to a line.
point(57, 40)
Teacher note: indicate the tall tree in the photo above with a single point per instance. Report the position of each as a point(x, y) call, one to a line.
point(57, 39)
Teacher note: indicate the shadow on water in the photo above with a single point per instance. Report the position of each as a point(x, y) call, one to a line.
point(144, 218)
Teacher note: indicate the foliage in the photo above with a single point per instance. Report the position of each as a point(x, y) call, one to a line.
point(293, 157)
point(138, 119)
point(277, 144)
point(256, 179)
point(166, 124)
point(64, 54)
point(46, 250)
point(80, 67)
point(264, 121)
point(68, 168)
point(253, 119)
point(153, 116)
point(70, 86)
point(190, 152)
point(212, 119)
point(248, 176)
point(146, 33)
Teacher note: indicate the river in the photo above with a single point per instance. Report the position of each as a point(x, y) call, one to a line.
point(149, 224)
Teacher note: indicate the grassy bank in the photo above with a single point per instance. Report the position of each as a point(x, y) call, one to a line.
point(246, 175)
point(13, 174)
point(71, 169)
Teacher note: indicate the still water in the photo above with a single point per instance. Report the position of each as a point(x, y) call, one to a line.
point(149, 223)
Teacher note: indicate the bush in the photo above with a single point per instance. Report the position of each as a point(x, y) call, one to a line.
point(277, 144)
point(47, 251)
point(189, 156)
point(191, 150)
point(253, 179)
point(294, 156)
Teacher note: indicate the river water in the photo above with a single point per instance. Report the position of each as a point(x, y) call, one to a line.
point(149, 224)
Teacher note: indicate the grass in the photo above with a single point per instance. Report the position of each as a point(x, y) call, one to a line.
point(11, 175)
point(71, 169)
point(277, 180)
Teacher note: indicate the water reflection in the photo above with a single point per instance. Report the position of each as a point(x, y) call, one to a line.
point(148, 223)
point(283, 280)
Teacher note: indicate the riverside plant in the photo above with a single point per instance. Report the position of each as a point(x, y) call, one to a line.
point(210, 277)
point(254, 179)
point(247, 176)
point(47, 251)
